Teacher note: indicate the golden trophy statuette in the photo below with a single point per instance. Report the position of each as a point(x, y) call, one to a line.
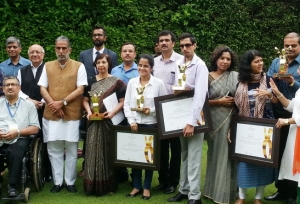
point(95, 107)
point(140, 100)
point(282, 63)
point(181, 77)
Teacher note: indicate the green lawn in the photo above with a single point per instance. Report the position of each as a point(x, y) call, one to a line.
point(119, 196)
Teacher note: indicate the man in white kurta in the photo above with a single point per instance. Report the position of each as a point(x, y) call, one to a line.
point(62, 83)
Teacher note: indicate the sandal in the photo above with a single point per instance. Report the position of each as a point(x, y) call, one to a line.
point(240, 201)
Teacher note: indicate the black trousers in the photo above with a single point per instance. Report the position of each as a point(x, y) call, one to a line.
point(169, 173)
point(14, 155)
point(285, 187)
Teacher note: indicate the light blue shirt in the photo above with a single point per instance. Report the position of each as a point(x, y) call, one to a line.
point(124, 75)
point(9, 69)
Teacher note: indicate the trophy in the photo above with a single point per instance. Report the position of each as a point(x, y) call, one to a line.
point(140, 100)
point(181, 77)
point(282, 63)
point(95, 107)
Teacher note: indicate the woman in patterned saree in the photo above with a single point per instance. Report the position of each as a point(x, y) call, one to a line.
point(220, 180)
point(99, 174)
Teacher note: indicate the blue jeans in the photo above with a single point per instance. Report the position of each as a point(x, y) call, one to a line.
point(137, 178)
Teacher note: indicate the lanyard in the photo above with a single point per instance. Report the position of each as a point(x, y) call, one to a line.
point(8, 108)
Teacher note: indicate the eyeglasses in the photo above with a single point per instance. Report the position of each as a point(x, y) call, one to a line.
point(37, 52)
point(99, 35)
point(185, 45)
point(11, 84)
point(143, 66)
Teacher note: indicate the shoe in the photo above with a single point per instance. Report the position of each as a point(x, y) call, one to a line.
point(179, 197)
point(275, 196)
point(161, 186)
point(291, 201)
point(146, 197)
point(71, 188)
point(192, 201)
point(12, 191)
point(56, 188)
point(129, 195)
point(169, 190)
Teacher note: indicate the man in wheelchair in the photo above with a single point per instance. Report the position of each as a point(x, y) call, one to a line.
point(18, 120)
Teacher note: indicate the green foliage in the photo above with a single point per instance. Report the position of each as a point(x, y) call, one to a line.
point(240, 24)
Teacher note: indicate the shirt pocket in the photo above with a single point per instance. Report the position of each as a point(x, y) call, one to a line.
point(170, 78)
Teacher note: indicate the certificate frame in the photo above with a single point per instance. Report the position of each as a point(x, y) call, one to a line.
point(159, 101)
point(266, 124)
point(118, 130)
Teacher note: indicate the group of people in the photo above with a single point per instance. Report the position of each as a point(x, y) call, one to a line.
point(59, 90)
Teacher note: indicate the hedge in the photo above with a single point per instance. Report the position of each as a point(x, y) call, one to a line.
point(240, 24)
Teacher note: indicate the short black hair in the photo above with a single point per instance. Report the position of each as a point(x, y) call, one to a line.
point(108, 59)
point(166, 32)
point(96, 27)
point(149, 58)
point(187, 35)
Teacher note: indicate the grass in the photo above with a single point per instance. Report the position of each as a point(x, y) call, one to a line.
point(118, 197)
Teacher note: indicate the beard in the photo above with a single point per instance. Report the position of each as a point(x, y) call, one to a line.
point(98, 43)
point(62, 57)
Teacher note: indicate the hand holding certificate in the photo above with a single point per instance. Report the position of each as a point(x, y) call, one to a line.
point(110, 104)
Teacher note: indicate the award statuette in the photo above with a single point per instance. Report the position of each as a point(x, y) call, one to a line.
point(95, 107)
point(139, 100)
point(267, 143)
point(149, 148)
point(181, 77)
point(282, 63)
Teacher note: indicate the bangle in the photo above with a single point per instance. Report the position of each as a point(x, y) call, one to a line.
point(271, 97)
point(292, 84)
point(280, 96)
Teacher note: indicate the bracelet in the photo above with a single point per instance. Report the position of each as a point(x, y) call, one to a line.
point(271, 97)
point(280, 96)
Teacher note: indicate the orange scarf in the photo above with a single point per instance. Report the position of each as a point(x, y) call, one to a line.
point(296, 164)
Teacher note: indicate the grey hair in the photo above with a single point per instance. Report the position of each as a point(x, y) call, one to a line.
point(43, 51)
point(13, 39)
point(63, 38)
point(10, 77)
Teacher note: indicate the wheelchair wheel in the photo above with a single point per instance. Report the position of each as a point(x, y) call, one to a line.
point(38, 164)
point(26, 195)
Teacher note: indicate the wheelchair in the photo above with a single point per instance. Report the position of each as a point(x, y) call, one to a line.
point(32, 170)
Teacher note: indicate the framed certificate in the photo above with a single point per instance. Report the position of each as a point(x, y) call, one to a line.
point(173, 112)
point(136, 149)
point(254, 140)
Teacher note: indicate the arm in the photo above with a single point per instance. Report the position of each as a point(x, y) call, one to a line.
point(273, 68)
point(280, 97)
point(128, 113)
point(86, 106)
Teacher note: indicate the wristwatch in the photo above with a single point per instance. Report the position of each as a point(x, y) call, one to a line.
point(286, 121)
point(64, 102)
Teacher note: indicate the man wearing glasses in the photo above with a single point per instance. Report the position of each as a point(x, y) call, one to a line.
point(29, 76)
point(87, 57)
point(191, 144)
point(18, 119)
point(11, 66)
point(128, 69)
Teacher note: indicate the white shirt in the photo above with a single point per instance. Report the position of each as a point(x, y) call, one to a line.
point(154, 88)
point(94, 52)
point(197, 79)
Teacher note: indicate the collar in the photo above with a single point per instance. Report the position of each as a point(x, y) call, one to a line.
point(172, 58)
point(101, 51)
point(133, 66)
point(297, 59)
point(37, 66)
point(151, 80)
point(14, 104)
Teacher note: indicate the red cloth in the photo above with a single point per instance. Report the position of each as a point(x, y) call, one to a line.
point(296, 164)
